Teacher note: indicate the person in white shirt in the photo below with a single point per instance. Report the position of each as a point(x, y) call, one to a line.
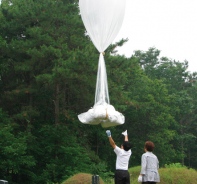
point(123, 155)
point(149, 165)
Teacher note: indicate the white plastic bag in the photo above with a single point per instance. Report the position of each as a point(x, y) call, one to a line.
point(104, 114)
point(139, 178)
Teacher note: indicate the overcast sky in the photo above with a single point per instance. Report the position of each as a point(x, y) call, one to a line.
point(168, 25)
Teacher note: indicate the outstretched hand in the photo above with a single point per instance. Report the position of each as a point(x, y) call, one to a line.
point(108, 132)
point(124, 133)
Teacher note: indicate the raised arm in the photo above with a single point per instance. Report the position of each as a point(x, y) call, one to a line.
point(125, 135)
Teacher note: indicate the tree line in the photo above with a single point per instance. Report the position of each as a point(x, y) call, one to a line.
point(48, 69)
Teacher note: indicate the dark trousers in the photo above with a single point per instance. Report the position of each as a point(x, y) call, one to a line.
point(149, 182)
point(122, 177)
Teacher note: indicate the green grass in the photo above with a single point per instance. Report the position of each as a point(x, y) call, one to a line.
point(171, 174)
point(178, 176)
point(134, 173)
point(81, 178)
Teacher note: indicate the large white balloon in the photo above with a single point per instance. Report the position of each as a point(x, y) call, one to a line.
point(103, 20)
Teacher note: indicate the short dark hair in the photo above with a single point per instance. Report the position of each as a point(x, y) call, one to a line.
point(126, 145)
point(149, 146)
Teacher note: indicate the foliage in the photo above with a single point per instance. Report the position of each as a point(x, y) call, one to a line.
point(48, 70)
point(176, 175)
point(174, 165)
point(42, 56)
point(101, 170)
point(179, 83)
point(14, 154)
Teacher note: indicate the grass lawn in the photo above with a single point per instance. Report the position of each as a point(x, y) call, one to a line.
point(173, 174)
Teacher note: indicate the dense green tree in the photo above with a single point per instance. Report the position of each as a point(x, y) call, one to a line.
point(150, 118)
point(190, 125)
point(179, 83)
point(14, 154)
point(44, 66)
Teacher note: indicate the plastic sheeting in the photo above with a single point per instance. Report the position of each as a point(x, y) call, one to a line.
point(103, 20)
point(102, 112)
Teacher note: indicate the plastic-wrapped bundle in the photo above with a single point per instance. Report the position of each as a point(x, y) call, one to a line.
point(103, 114)
point(102, 20)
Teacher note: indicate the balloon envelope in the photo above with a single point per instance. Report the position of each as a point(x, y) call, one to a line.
point(103, 20)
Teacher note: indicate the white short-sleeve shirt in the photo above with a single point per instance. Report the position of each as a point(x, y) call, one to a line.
point(122, 159)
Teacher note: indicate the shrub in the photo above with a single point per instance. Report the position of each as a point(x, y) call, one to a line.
point(178, 175)
point(174, 165)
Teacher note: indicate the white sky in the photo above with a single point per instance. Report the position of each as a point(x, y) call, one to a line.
point(168, 25)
